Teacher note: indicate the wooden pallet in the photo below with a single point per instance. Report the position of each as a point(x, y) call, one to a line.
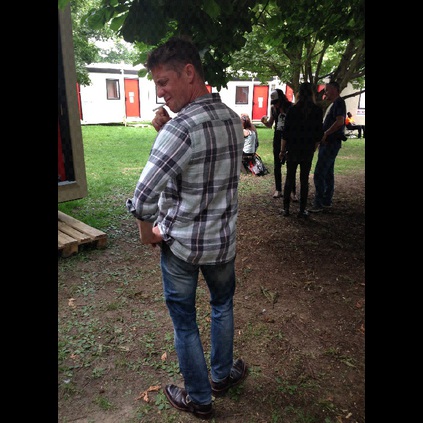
point(72, 233)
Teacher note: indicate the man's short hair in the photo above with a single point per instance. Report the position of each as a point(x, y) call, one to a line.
point(335, 85)
point(175, 53)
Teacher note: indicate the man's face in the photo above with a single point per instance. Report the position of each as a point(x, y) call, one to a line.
point(331, 92)
point(174, 88)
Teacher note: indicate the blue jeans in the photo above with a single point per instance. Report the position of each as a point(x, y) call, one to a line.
point(180, 281)
point(324, 175)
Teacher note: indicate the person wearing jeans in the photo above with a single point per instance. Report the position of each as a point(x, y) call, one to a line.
point(180, 284)
point(186, 202)
point(333, 127)
point(324, 176)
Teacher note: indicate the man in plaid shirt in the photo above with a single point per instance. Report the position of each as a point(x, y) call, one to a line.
point(186, 201)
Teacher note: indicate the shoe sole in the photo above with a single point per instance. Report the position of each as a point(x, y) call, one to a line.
point(222, 392)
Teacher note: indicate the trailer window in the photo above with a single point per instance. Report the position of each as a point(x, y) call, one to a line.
point(241, 95)
point(112, 86)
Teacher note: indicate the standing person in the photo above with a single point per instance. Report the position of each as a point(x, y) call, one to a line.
point(279, 107)
point(333, 127)
point(186, 201)
point(301, 135)
point(350, 124)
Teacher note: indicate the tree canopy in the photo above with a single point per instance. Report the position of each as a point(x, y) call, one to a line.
point(306, 40)
point(294, 40)
point(85, 38)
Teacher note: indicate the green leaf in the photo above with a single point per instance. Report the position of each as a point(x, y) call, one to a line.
point(142, 72)
point(211, 8)
point(98, 19)
point(117, 22)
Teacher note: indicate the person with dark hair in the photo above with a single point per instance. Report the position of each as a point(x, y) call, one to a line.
point(252, 126)
point(186, 201)
point(351, 125)
point(331, 143)
point(250, 136)
point(250, 142)
point(279, 107)
point(301, 135)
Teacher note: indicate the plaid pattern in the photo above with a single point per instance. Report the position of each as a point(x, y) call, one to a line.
point(189, 185)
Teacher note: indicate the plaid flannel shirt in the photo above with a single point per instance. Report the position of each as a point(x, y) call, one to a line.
point(189, 185)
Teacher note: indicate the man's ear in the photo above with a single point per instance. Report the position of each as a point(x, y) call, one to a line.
point(189, 71)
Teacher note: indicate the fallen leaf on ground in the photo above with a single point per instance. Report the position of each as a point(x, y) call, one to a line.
point(144, 395)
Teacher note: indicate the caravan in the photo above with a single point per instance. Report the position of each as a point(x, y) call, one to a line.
point(118, 95)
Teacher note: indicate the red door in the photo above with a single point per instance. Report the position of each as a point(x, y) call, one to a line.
point(132, 98)
point(260, 99)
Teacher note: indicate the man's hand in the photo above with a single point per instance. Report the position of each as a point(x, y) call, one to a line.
point(148, 233)
point(162, 116)
point(324, 139)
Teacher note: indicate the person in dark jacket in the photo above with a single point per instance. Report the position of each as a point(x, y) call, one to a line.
point(279, 107)
point(301, 135)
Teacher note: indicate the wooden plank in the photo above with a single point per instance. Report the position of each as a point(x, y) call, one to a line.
point(72, 233)
point(67, 244)
point(81, 237)
point(64, 239)
point(82, 227)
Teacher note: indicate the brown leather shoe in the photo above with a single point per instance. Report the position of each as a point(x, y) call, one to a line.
point(237, 375)
point(179, 399)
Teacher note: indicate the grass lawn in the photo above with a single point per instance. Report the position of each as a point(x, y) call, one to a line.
point(115, 156)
